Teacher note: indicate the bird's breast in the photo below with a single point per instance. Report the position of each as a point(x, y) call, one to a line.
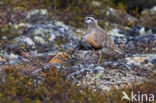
point(91, 41)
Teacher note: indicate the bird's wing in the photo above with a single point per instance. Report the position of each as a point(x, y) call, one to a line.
point(105, 41)
point(102, 39)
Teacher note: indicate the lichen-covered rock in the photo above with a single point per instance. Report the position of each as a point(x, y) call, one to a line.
point(7, 58)
point(43, 44)
point(139, 31)
point(40, 40)
point(142, 43)
point(36, 11)
point(22, 39)
point(96, 3)
point(151, 11)
point(119, 16)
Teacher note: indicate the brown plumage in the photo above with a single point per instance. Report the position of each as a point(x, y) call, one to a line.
point(99, 39)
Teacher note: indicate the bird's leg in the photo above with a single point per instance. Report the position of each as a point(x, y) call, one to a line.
point(101, 56)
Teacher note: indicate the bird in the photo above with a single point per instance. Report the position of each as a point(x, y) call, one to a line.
point(99, 39)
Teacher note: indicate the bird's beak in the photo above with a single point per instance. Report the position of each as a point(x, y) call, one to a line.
point(83, 21)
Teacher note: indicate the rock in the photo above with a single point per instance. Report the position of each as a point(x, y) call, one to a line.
point(60, 24)
point(43, 12)
point(152, 10)
point(151, 62)
point(116, 32)
point(53, 34)
point(35, 12)
point(118, 36)
point(23, 39)
point(49, 31)
point(21, 43)
point(4, 38)
point(21, 25)
point(96, 3)
point(110, 11)
point(41, 30)
point(52, 37)
point(103, 77)
point(14, 61)
point(131, 19)
point(138, 30)
point(135, 60)
point(140, 44)
point(99, 69)
point(40, 40)
point(119, 16)
point(144, 55)
point(71, 44)
point(11, 59)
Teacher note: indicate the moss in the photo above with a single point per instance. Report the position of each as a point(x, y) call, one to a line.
point(55, 88)
point(73, 12)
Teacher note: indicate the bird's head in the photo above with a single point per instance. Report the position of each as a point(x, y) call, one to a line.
point(90, 21)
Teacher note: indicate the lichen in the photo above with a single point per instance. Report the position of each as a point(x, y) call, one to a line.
point(16, 87)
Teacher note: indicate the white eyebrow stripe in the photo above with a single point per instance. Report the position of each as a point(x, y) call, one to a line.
point(91, 18)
